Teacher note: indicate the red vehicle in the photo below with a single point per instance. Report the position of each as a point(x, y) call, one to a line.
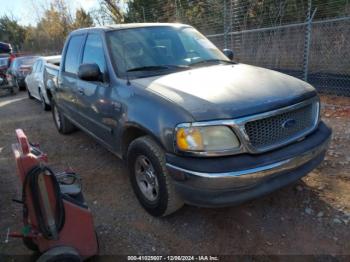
point(6, 58)
point(5, 48)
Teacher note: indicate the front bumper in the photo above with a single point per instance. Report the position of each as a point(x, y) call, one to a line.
point(235, 179)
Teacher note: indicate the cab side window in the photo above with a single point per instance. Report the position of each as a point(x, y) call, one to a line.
point(71, 63)
point(93, 52)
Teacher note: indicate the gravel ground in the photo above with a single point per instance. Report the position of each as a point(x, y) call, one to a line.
point(310, 217)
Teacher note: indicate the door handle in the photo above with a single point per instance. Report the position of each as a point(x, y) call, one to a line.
point(81, 91)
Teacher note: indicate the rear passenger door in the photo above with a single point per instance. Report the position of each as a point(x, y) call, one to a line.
point(67, 87)
point(94, 96)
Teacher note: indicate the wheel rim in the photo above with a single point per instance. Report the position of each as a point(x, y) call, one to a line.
point(146, 178)
point(57, 117)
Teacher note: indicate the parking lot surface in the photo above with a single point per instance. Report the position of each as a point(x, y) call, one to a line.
point(310, 217)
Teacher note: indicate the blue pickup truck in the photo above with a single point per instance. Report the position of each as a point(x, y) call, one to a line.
point(193, 126)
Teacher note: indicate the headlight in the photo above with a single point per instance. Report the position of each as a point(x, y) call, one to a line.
point(206, 138)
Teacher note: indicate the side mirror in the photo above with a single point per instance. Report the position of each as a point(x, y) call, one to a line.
point(89, 72)
point(228, 53)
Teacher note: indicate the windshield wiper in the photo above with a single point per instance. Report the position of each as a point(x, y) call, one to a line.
point(157, 67)
point(211, 61)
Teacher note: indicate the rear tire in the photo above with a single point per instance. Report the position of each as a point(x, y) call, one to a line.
point(19, 87)
point(63, 125)
point(153, 186)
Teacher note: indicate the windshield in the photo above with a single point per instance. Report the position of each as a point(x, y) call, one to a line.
point(156, 50)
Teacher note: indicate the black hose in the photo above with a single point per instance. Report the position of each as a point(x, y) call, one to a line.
point(31, 182)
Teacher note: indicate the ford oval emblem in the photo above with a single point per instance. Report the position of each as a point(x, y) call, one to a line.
point(289, 123)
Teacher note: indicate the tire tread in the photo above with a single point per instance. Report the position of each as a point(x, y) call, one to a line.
point(174, 201)
point(67, 126)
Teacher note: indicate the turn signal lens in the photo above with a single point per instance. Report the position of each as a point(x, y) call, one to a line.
point(206, 138)
point(189, 139)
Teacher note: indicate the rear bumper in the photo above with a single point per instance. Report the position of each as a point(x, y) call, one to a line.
point(235, 179)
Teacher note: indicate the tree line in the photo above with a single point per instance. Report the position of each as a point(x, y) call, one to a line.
point(210, 16)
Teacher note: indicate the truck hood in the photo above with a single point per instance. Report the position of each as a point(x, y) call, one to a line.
point(228, 91)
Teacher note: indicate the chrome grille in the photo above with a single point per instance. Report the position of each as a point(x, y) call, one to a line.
point(281, 128)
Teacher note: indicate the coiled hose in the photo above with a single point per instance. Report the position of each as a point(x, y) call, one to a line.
point(31, 182)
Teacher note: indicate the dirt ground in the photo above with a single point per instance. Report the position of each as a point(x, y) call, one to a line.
point(310, 217)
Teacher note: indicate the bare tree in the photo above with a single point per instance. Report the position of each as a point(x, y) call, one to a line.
point(109, 12)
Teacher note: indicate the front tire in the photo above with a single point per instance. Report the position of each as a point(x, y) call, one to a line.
point(150, 179)
point(63, 125)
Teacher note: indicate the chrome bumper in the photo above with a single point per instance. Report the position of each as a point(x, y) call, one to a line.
point(244, 178)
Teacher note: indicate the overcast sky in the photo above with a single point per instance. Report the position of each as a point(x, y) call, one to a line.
point(26, 14)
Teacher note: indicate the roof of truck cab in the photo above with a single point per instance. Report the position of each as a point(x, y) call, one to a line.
point(125, 26)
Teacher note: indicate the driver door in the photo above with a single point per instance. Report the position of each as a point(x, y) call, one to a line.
point(93, 97)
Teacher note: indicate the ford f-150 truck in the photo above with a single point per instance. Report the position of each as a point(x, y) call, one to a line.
point(192, 125)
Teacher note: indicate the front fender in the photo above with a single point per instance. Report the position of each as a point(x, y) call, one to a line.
point(155, 115)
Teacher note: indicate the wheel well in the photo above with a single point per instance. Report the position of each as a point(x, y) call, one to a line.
point(129, 135)
point(49, 95)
